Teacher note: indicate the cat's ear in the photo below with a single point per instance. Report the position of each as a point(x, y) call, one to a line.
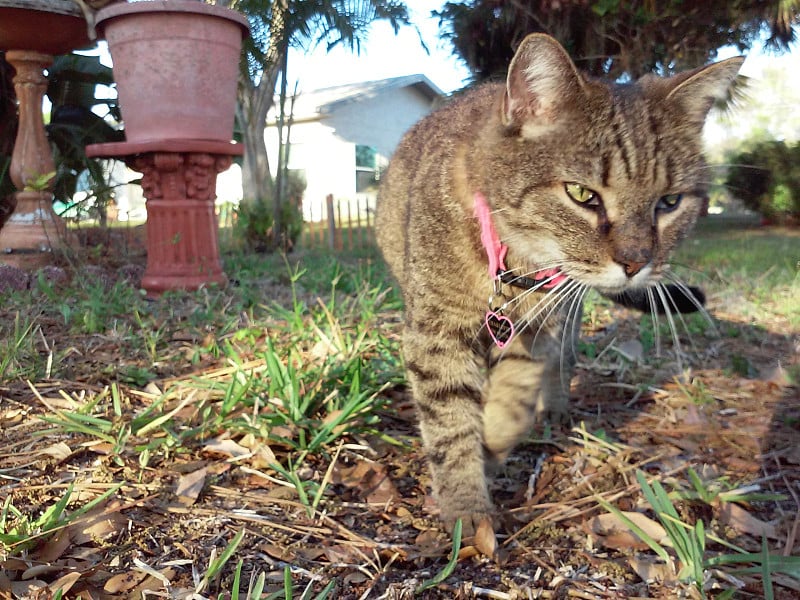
point(542, 80)
point(697, 91)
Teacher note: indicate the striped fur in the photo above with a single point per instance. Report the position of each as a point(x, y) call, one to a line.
point(637, 146)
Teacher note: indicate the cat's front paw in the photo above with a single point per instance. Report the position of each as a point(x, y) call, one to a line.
point(553, 407)
point(470, 520)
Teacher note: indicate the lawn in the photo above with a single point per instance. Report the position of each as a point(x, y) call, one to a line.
point(258, 441)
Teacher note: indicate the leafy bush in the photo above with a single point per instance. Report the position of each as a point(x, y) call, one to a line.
point(254, 219)
point(766, 178)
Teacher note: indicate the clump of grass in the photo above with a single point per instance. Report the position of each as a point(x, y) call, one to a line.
point(688, 543)
point(20, 531)
point(19, 357)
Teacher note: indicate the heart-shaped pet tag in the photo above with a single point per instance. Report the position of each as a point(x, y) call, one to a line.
point(500, 327)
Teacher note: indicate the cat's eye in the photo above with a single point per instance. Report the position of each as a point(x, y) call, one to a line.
point(582, 195)
point(669, 202)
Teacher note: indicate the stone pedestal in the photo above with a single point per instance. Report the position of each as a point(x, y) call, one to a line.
point(179, 185)
point(33, 230)
point(32, 157)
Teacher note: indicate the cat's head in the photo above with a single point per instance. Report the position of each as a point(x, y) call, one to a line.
point(598, 179)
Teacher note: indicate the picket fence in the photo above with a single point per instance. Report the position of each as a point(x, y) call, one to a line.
point(339, 224)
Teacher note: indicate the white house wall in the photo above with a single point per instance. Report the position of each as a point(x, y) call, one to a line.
point(380, 120)
point(329, 163)
point(324, 145)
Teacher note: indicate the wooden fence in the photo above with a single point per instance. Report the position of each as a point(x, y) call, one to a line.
point(344, 224)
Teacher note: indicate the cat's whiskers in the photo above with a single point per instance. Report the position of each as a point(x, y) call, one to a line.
point(554, 302)
point(571, 293)
point(679, 283)
point(685, 291)
point(660, 290)
point(549, 304)
point(651, 300)
point(573, 320)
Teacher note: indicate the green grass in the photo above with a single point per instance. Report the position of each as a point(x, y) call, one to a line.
point(688, 553)
point(304, 370)
point(755, 266)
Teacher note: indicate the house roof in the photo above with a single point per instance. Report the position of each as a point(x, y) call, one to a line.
point(317, 103)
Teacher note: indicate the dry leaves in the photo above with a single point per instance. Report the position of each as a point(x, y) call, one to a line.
point(369, 479)
point(608, 530)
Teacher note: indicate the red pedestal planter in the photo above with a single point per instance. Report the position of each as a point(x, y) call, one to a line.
point(32, 31)
point(179, 185)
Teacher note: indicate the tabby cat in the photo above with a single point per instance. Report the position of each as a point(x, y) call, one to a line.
point(499, 211)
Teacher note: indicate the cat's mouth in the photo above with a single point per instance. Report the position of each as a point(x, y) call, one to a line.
point(545, 279)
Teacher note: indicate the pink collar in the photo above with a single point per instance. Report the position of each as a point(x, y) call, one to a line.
point(496, 252)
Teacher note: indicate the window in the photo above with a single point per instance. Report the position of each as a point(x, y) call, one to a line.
point(369, 167)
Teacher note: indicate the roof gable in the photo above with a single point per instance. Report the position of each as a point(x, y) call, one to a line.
point(317, 103)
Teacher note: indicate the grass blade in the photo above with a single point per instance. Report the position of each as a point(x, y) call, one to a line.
point(451, 565)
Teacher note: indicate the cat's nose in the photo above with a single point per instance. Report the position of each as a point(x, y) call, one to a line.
point(633, 267)
point(633, 260)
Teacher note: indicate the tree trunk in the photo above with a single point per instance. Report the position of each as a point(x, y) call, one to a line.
point(255, 100)
point(254, 104)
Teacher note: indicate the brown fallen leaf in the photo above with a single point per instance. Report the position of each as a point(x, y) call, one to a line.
point(742, 521)
point(64, 583)
point(262, 454)
point(226, 447)
point(483, 543)
point(101, 523)
point(51, 549)
point(485, 539)
point(649, 569)
point(611, 532)
point(342, 554)
point(123, 582)
point(190, 485)
point(60, 451)
point(152, 583)
point(103, 448)
point(369, 479)
point(279, 552)
point(432, 543)
point(40, 570)
point(27, 589)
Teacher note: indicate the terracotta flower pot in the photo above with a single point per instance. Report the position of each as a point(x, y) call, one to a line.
point(176, 64)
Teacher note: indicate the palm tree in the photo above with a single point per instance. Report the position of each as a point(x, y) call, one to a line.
point(275, 26)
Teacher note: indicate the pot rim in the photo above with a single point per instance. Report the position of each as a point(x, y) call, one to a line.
point(172, 6)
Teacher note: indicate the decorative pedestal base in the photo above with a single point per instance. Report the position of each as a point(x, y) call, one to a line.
point(179, 184)
point(32, 232)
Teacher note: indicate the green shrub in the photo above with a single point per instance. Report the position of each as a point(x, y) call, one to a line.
point(255, 218)
point(766, 178)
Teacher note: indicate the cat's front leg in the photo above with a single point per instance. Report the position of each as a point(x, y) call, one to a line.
point(529, 383)
point(447, 384)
